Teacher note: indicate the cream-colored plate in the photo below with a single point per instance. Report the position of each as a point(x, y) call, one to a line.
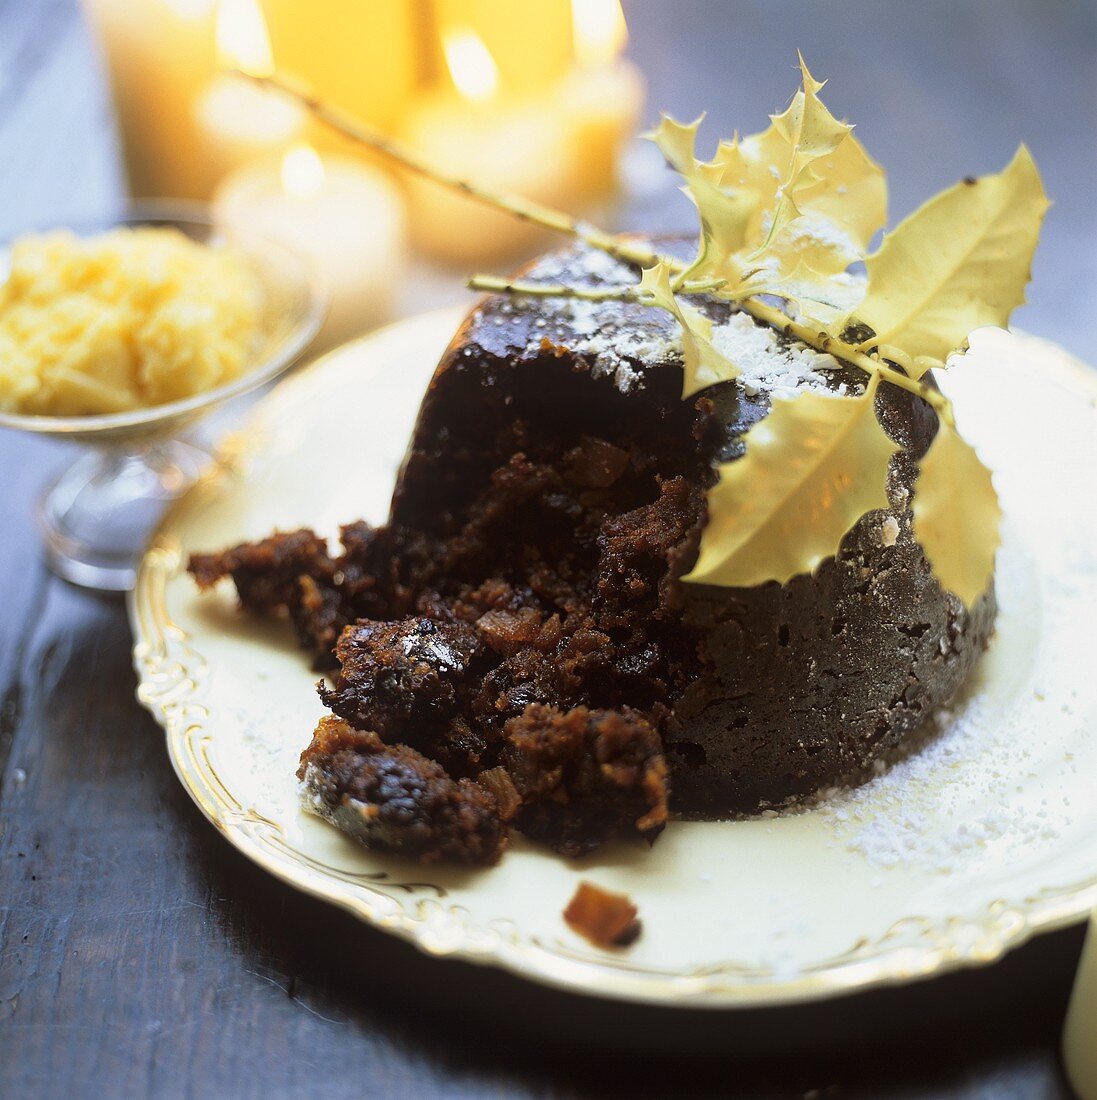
point(956, 854)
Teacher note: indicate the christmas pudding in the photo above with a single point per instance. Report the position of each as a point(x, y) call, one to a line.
point(681, 531)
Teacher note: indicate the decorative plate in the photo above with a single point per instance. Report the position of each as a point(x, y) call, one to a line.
point(953, 855)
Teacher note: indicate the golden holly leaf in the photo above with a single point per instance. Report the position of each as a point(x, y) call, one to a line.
point(956, 515)
point(823, 300)
point(960, 261)
point(752, 169)
point(810, 157)
point(723, 214)
point(812, 468)
point(677, 141)
point(800, 196)
point(850, 191)
point(702, 364)
point(810, 132)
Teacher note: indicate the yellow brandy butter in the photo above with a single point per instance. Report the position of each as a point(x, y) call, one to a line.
point(125, 320)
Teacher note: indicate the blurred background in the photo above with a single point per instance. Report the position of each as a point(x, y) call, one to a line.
point(544, 98)
point(108, 99)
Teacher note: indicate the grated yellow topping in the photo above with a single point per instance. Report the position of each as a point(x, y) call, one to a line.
point(129, 319)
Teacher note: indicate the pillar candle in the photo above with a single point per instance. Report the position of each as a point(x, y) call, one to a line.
point(603, 104)
point(239, 122)
point(531, 41)
point(519, 145)
point(364, 58)
point(159, 55)
point(558, 144)
point(346, 217)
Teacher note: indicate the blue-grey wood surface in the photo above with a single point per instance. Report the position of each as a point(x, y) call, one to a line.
point(139, 955)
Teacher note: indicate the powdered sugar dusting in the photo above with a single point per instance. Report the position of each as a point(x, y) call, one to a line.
point(622, 351)
point(820, 231)
point(959, 792)
point(623, 341)
point(768, 364)
point(591, 267)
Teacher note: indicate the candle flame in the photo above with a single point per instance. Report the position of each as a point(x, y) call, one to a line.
point(599, 30)
point(242, 39)
point(473, 69)
point(302, 171)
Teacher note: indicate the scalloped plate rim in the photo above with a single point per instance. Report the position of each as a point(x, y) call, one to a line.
point(719, 986)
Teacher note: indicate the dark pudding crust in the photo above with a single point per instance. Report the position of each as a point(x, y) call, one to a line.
point(395, 799)
point(522, 613)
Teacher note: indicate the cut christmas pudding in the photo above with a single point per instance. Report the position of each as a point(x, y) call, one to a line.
point(683, 528)
point(522, 624)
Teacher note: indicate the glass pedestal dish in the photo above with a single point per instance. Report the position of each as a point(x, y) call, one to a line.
point(96, 517)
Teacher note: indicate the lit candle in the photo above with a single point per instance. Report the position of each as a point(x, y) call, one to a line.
point(343, 215)
point(603, 95)
point(159, 55)
point(504, 144)
point(360, 57)
point(530, 41)
point(239, 122)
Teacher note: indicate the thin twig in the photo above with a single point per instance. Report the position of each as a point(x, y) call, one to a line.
point(770, 316)
point(616, 246)
point(821, 341)
point(497, 284)
point(520, 208)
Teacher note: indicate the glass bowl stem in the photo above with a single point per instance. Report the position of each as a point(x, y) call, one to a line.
point(98, 515)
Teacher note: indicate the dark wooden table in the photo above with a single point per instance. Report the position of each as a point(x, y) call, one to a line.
point(140, 955)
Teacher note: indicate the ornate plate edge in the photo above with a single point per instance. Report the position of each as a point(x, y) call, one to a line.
point(171, 676)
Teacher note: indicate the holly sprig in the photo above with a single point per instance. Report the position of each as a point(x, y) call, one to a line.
point(783, 215)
